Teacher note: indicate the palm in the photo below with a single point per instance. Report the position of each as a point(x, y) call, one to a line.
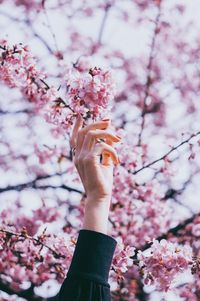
point(101, 180)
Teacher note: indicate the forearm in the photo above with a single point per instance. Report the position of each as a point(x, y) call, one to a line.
point(96, 216)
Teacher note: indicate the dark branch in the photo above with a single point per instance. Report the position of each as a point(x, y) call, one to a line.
point(28, 23)
point(35, 185)
point(28, 294)
point(173, 231)
point(15, 112)
point(149, 67)
point(103, 23)
point(167, 154)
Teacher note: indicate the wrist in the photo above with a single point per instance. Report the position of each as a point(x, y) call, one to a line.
point(96, 215)
point(97, 201)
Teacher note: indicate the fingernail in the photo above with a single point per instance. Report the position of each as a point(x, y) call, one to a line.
point(118, 136)
point(106, 119)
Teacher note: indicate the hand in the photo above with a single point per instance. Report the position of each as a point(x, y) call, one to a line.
point(96, 175)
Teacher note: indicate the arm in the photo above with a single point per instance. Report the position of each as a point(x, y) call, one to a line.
point(87, 277)
point(94, 160)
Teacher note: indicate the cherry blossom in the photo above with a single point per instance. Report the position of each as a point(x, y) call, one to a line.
point(91, 91)
point(163, 262)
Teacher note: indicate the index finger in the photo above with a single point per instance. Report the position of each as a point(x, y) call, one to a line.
point(77, 126)
point(82, 133)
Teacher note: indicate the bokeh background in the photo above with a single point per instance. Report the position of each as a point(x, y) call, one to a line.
point(152, 49)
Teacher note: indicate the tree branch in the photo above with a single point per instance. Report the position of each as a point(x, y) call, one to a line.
point(33, 184)
point(15, 112)
point(103, 23)
point(27, 294)
point(167, 154)
point(172, 231)
point(28, 23)
point(149, 66)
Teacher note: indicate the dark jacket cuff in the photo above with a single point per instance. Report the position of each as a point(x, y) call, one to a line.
point(93, 255)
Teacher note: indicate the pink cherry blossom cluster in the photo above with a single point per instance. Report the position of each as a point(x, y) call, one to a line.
point(194, 228)
point(36, 259)
point(32, 222)
point(161, 263)
point(18, 69)
point(29, 255)
point(121, 259)
point(189, 292)
point(90, 92)
point(137, 209)
point(35, 5)
point(50, 154)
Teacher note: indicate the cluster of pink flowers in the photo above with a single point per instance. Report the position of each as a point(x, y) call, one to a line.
point(35, 259)
point(121, 259)
point(35, 5)
point(161, 263)
point(31, 223)
point(50, 154)
point(18, 69)
point(91, 91)
point(137, 209)
point(194, 228)
point(29, 255)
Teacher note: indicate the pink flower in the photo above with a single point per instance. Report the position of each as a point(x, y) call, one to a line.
point(122, 260)
point(93, 90)
point(163, 261)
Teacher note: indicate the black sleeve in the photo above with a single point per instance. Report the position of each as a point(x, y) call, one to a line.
point(87, 277)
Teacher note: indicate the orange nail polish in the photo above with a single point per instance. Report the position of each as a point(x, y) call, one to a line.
point(118, 136)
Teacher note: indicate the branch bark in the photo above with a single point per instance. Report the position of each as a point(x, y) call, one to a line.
point(27, 294)
point(34, 185)
point(172, 231)
point(167, 154)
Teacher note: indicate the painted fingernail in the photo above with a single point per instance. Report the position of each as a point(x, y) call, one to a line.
point(106, 119)
point(118, 136)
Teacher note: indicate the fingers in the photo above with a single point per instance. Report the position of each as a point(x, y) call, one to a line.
point(82, 133)
point(106, 158)
point(104, 147)
point(77, 126)
point(93, 135)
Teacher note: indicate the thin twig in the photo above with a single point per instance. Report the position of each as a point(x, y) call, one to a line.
point(149, 67)
point(167, 154)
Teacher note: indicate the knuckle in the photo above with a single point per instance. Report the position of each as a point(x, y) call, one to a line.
point(91, 133)
point(86, 159)
point(76, 162)
point(71, 141)
point(81, 159)
point(79, 134)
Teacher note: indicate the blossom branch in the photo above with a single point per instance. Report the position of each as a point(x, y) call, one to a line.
point(27, 294)
point(15, 112)
point(39, 37)
point(172, 231)
point(167, 154)
point(38, 241)
point(103, 23)
point(33, 184)
point(30, 26)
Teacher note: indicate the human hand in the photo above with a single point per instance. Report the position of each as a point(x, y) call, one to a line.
point(94, 158)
